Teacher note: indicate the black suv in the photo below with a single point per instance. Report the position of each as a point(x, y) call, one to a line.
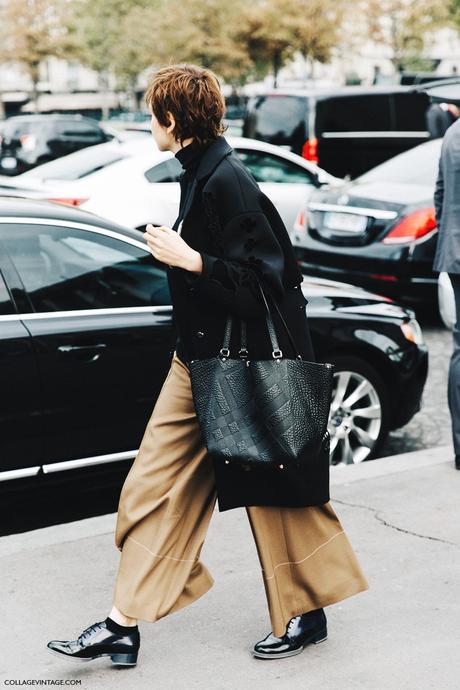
point(30, 140)
point(346, 131)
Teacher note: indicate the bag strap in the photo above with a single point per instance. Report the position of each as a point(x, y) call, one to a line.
point(243, 352)
point(225, 349)
point(282, 320)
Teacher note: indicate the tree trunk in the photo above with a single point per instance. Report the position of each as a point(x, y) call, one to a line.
point(276, 67)
point(133, 99)
point(103, 80)
point(34, 69)
point(35, 94)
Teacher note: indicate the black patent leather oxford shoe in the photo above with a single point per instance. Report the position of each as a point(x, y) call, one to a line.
point(300, 631)
point(97, 640)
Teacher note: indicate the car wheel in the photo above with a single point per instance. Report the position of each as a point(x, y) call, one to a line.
point(358, 420)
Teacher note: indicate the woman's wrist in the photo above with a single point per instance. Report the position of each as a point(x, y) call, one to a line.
point(194, 262)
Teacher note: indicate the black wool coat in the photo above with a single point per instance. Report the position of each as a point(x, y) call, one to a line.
point(242, 240)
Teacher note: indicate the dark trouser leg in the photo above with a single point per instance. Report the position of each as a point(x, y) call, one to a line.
point(453, 385)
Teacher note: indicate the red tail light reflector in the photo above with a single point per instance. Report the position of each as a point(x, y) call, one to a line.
point(68, 202)
point(412, 227)
point(310, 150)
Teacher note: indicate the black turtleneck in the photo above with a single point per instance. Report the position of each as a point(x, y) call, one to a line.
point(189, 157)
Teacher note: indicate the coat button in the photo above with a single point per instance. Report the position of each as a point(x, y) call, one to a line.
point(199, 334)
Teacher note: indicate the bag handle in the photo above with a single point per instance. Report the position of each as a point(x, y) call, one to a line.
point(243, 352)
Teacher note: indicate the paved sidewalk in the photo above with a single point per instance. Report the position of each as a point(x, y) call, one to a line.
point(402, 515)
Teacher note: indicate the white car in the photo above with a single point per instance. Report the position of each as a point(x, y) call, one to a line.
point(133, 183)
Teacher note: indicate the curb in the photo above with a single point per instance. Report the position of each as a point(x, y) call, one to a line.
point(340, 475)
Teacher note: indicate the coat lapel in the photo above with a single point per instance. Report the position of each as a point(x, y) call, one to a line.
point(210, 159)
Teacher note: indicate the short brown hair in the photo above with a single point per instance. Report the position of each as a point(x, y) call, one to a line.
point(192, 94)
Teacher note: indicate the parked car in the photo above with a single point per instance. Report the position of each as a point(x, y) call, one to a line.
point(134, 183)
point(87, 337)
point(378, 231)
point(30, 140)
point(346, 131)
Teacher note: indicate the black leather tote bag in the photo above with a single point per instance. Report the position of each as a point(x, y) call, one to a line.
point(269, 414)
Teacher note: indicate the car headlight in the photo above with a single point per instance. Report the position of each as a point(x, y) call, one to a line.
point(412, 331)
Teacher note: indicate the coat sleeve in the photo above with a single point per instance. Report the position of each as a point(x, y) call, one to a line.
point(248, 252)
point(439, 193)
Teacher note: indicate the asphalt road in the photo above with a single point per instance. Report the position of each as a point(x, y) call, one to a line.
point(430, 427)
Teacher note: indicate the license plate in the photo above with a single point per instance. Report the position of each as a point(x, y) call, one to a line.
point(8, 162)
point(349, 222)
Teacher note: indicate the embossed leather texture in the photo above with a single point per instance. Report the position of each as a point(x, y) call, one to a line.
point(263, 412)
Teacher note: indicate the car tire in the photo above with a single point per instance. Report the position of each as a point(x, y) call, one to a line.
point(355, 437)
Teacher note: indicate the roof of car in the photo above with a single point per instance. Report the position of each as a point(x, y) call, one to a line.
point(339, 91)
point(33, 117)
point(14, 207)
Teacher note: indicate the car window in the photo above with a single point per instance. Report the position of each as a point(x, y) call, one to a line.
point(6, 306)
point(66, 269)
point(77, 165)
point(15, 128)
point(267, 167)
point(409, 111)
point(167, 171)
point(366, 113)
point(419, 165)
point(277, 115)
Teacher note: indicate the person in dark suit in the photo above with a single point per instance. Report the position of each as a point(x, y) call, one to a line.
point(439, 117)
point(227, 238)
point(447, 258)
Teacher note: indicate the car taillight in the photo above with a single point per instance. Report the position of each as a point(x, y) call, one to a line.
point(299, 223)
point(310, 150)
point(69, 202)
point(412, 227)
point(28, 141)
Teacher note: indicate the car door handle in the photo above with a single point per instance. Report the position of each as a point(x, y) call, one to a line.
point(90, 353)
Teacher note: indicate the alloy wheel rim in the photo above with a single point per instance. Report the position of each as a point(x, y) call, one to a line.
point(355, 418)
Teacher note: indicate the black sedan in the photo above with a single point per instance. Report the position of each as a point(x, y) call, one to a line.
point(30, 140)
point(378, 231)
point(86, 339)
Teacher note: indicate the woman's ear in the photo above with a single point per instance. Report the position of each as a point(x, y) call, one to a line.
point(172, 122)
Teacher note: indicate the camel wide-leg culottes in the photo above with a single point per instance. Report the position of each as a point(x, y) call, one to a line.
point(165, 507)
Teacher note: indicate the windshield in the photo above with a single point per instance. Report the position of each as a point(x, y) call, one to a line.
point(79, 164)
point(416, 166)
point(15, 128)
point(277, 118)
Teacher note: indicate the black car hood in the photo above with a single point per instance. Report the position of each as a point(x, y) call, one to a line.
point(326, 295)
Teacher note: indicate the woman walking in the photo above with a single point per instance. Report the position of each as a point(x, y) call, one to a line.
point(227, 237)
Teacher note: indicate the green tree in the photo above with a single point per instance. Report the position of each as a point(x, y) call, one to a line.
point(405, 26)
point(106, 38)
point(268, 32)
point(199, 31)
point(33, 30)
point(318, 29)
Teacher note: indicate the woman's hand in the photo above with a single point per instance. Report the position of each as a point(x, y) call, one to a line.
point(167, 246)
